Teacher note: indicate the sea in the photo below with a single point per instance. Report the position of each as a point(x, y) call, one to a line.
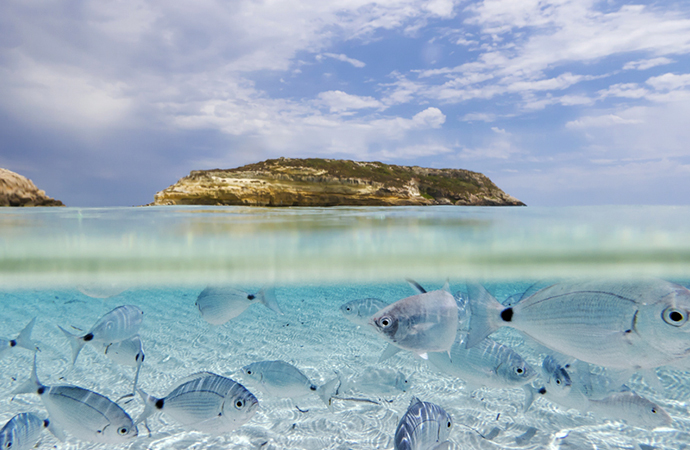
point(69, 266)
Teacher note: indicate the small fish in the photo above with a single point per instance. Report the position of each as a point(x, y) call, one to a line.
point(84, 414)
point(220, 304)
point(22, 432)
point(101, 290)
point(22, 340)
point(634, 409)
point(283, 380)
point(422, 323)
point(629, 324)
point(119, 324)
point(487, 364)
point(129, 352)
point(425, 426)
point(205, 402)
point(359, 311)
point(375, 381)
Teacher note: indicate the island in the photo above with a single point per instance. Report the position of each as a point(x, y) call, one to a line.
point(333, 182)
point(17, 190)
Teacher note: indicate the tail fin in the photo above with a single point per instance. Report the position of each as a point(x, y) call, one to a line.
point(267, 296)
point(32, 385)
point(75, 342)
point(24, 338)
point(151, 404)
point(485, 314)
point(328, 390)
point(389, 351)
point(529, 396)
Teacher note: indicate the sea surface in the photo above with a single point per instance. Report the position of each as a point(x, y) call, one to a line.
point(70, 266)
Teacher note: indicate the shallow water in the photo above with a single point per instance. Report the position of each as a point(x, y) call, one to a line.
point(318, 259)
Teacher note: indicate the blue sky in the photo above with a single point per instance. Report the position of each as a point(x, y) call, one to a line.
point(568, 102)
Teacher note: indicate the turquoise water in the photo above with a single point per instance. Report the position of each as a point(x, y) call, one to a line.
point(160, 259)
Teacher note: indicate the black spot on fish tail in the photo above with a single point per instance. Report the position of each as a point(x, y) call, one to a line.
point(542, 390)
point(507, 314)
point(46, 423)
point(313, 387)
point(41, 390)
point(160, 403)
point(13, 343)
point(88, 337)
point(251, 297)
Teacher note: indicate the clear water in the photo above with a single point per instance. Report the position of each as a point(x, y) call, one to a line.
point(161, 259)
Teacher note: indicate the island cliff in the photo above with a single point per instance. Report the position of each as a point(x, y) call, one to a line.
point(16, 190)
point(333, 182)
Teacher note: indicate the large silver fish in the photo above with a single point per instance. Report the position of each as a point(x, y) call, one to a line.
point(22, 340)
point(423, 323)
point(425, 426)
point(220, 304)
point(22, 432)
point(82, 413)
point(487, 364)
point(283, 380)
point(630, 324)
point(574, 385)
point(359, 311)
point(129, 352)
point(205, 402)
point(119, 324)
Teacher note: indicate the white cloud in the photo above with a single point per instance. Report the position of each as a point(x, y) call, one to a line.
point(602, 121)
point(644, 64)
point(669, 81)
point(483, 117)
point(414, 151)
point(339, 101)
point(430, 117)
point(499, 131)
point(341, 57)
point(625, 90)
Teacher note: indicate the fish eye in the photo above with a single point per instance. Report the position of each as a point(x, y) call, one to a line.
point(673, 316)
point(249, 371)
point(450, 424)
point(558, 381)
point(654, 410)
point(385, 321)
point(123, 430)
point(239, 404)
point(519, 370)
point(8, 444)
point(347, 309)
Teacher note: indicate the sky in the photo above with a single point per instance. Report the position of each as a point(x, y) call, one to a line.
point(563, 102)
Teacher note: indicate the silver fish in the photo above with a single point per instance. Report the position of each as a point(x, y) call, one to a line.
point(129, 352)
point(220, 304)
point(634, 409)
point(630, 324)
point(375, 381)
point(283, 380)
point(119, 324)
point(359, 311)
point(205, 402)
point(101, 290)
point(22, 432)
point(425, 426)
point(422, 323)
point(84, 414)
point(487, 364)
point(22, 340)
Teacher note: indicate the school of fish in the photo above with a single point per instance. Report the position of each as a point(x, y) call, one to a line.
point(591, 335)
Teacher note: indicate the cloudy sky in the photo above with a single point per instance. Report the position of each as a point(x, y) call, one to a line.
point(559, 102)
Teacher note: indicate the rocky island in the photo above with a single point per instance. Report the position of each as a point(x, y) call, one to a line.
point(333, 182)
point(16, 190)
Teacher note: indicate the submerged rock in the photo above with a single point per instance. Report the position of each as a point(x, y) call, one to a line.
point(333, 182)
point(16, 190)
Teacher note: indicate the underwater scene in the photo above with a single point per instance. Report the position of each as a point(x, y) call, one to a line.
point(345, 328)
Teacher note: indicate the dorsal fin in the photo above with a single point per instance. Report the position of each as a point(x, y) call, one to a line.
point(414, 401)
point(416, 286)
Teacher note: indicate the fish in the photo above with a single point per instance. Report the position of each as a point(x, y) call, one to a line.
point(628, 324)
point(425, 426)
point(22, 432)
point(575, 386)
point(375, 381)
point(84, 414)
point(283, 380)
point(101, 290)
point(119, 324)
point(204, 402)
point(422, 323)
point(129, 352)
point(22, 340)
point(359, 311)
point(218, 305)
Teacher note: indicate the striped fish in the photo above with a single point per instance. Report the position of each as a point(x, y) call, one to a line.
point(22, 431)
point(84, 414)
point(425, 426)
point(204, 402)
point(119, 324)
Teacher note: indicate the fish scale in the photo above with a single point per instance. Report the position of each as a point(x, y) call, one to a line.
point(425, 426)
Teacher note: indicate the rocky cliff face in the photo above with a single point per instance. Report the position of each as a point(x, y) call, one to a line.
point(16, 190)
point(332, 182)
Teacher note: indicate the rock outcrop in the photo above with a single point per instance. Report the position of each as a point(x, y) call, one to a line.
point(16, 190)
point(333, 182)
